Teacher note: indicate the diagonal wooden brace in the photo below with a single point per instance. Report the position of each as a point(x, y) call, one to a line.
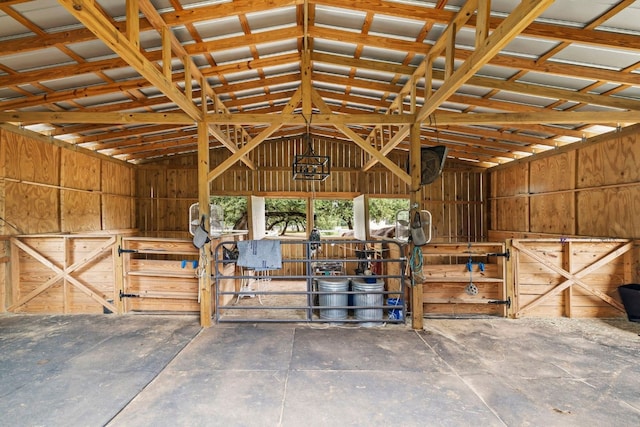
point(573, 278)
point(63, 273)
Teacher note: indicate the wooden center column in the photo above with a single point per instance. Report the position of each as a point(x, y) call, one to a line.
point(204, 281)
point(415, 199)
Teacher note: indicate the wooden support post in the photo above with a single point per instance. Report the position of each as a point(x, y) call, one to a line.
point(414, 89)
point(133, 22)
point(14, 295)
point(203, 199)
point(188, 80)
point(66, 288)
point(631, 261)
point(306, 85)
point(450, 51)
point(482, 22)
point(567, 265)
point(510, 280)
point(166, 53)
point(428, 78)
point(415, 199)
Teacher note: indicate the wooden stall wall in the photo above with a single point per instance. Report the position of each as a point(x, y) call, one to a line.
point(62, 274)
point(571, 277)
point(168, 187)
point(48, 186)
point(104, 273)
point(591, 190)
point(449, 270)
point(165, 193)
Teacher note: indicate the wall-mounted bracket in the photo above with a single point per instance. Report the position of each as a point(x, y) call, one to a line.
point(123, 295)
point(126, 251)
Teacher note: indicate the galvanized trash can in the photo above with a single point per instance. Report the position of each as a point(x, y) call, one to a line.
point(630, 295)
point(337, 297)
point(371, 296)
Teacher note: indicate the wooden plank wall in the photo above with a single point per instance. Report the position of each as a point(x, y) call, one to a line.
point(590, 190)
point(446, 275)
point(168, 187)
point(47, 187)
point(160, 275)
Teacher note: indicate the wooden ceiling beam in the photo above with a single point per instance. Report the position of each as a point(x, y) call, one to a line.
point(182, 119)
point(551, 117)
point(31, 117)
point(244, 40)
point(91, 17)
point(324, 108)
point(521, 16)
point(255, 141)
point(534, 29)
point(223, 10)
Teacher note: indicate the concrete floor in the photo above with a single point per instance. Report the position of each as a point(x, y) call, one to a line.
point(143, 370)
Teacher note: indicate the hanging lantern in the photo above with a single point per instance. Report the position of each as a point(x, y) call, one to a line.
point(309, 166)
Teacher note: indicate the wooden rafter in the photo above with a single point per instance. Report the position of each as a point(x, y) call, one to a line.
point(406, 91)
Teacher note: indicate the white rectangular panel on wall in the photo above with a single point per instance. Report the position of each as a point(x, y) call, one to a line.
point(258, 218)
point(359, 218)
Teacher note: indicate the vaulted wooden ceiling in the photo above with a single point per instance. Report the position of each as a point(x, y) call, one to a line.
point(493, 81)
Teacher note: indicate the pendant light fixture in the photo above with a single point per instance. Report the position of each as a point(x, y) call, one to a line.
point(309, 166)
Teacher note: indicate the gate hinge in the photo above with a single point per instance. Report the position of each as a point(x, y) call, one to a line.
point(506, 254)
point(126, 251)
point(123, 295)
point(506, 302)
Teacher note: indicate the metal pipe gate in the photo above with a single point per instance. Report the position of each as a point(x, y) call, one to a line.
point(327, 281)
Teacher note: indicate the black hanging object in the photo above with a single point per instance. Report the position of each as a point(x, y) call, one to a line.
point(432, 163)
point(309, 166)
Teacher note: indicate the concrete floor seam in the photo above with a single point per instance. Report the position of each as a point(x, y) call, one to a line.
point(148, 384)
point(464, 381)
